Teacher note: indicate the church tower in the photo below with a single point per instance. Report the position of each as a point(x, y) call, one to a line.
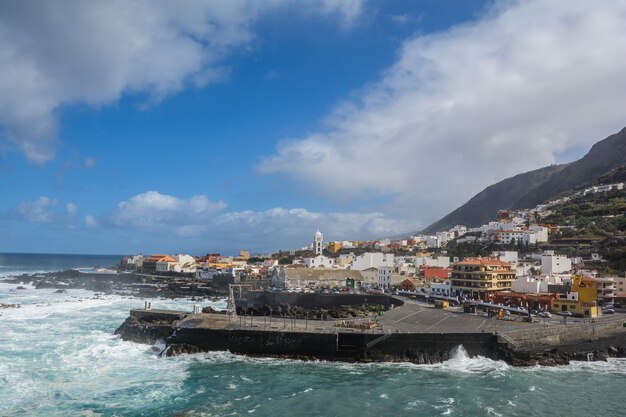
point(318, 243)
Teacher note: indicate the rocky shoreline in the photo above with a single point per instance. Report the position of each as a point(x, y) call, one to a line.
point(138, 285)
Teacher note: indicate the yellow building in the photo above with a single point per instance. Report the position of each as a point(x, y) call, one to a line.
point(334, 247)
point(581, 301)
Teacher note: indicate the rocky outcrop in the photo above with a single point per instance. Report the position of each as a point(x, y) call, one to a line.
point(586, 350)
point(176, 349)
point(146, 329)
point(293, 311)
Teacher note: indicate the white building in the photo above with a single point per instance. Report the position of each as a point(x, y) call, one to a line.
point(319, 261)
point(509, 256)
point(439, 261)
point(620, 286)
point(372, 259)
point(605, 290)
point(506, 237)
point(554, 264)
point(384, 276)
point(527, 284)
point(433, 242)
point(458, 230)
point(133, 260)
point(604, 188)
point(540, 232)
point(443, 288)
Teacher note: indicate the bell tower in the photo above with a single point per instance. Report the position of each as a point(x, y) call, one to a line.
point(318, 243)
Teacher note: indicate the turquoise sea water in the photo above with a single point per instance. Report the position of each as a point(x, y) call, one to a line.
point(59, 357)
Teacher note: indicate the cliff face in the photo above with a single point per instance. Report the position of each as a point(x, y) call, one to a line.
point(535, 187)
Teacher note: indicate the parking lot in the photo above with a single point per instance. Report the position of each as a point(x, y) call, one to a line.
point(419, 317)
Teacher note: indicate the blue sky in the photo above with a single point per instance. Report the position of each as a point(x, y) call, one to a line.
point(146, 126)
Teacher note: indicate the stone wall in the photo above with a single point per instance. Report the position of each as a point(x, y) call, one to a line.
point(417, 348)
point(259, 299)
point(536, 339)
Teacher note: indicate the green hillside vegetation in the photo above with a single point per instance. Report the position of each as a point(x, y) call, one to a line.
point(598, 215)
point(594, 223)
point(598, 221)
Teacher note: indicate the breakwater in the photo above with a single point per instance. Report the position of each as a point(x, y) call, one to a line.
point(297, 339)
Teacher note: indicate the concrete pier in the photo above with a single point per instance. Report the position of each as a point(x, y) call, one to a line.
point(414, 332)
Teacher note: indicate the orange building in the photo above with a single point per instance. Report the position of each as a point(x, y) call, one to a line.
point(481, 277)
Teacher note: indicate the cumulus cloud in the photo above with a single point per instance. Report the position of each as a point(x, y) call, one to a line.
point(472, 105)
point(54, 54)
point(71, 209)
point(155, 211)
point(275, 228)
point(91, 222)
point(44, 210)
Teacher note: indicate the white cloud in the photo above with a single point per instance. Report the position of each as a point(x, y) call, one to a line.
point(154, 211)
point(469, 106)
point(91, 222)
point(276, 228)
point(349, 10)
point(54, 54)
point(38, 211)
point(71, 209)
point(44, 210)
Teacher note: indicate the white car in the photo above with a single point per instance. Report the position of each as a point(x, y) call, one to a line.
point(545, 314)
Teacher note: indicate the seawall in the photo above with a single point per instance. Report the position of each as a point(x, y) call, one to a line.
point(192, 333)
point(422, 348)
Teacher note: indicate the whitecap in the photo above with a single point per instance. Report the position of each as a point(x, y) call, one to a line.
point(492, 412)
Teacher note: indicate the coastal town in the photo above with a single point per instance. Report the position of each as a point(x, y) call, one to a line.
point(506, 290)
point(525, 268)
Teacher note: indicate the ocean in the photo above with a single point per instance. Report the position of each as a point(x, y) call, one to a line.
point(59, 357)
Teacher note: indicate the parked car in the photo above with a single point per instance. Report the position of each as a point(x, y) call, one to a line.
point(565, 314)
point(608, 311)
point(544, 314)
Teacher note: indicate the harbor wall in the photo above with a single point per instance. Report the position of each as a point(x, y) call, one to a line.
point(422, 348)
point(544, 346)
point(538, 338)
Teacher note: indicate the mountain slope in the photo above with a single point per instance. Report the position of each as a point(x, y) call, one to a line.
point(534, 187)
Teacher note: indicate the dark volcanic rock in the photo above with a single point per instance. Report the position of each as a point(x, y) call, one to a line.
point(124, 283)
point(147, 332)
point(180, 349)
point(211, 310)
